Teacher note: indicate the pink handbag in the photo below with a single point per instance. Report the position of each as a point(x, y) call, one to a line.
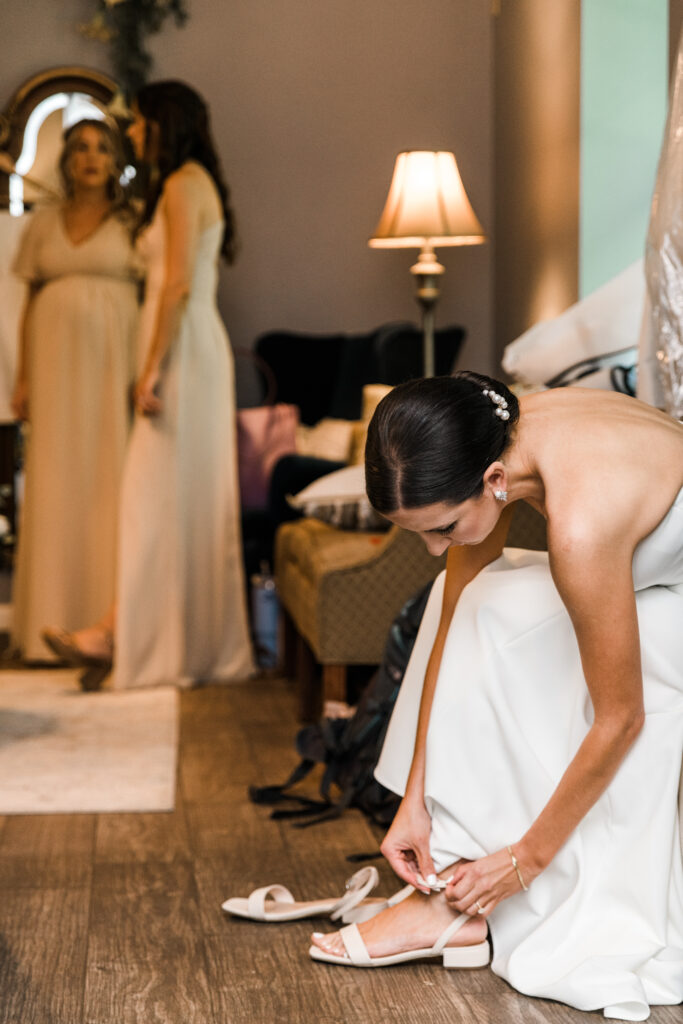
point(264, 434)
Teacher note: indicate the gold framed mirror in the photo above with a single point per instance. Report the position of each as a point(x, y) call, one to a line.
point(32, 124)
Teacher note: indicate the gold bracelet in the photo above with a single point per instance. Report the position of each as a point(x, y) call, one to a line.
point(516, 867)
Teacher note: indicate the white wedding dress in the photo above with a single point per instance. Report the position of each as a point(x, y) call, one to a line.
point(602, 926)
point(181, 614)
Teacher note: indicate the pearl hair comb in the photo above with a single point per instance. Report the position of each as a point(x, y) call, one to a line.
point(500, 403)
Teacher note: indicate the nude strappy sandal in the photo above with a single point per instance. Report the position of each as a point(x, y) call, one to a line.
point(96, 668)
point(275, 903)
point(453, 956)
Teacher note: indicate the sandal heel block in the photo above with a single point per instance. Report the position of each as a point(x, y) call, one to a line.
point(467, 956)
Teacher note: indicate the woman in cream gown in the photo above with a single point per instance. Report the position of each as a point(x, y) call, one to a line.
point(538, 734)
point(180, 615)
point(181, 597)
point(76, 371)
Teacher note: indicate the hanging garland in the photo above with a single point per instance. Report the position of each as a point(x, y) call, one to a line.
point(125, 26)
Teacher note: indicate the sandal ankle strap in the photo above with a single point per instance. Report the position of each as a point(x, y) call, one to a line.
point(357, 888)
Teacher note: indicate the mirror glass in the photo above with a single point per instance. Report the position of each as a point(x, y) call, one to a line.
point(37, 176)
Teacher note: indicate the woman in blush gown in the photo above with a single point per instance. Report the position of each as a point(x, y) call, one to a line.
point(538, 736)
point(180, 615)
point(76, 371)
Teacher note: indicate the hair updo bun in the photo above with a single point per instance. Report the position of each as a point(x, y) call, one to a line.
point(432, 440)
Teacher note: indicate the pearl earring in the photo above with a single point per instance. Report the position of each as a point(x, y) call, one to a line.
point(500, 495)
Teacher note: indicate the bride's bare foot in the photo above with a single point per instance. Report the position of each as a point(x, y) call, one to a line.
point(415, 923)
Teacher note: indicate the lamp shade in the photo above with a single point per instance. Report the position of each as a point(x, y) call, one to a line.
point(427, 204)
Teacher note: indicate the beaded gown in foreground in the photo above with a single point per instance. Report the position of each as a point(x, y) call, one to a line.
point(602, 926)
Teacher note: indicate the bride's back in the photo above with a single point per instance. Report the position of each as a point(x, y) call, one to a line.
point(598, 449)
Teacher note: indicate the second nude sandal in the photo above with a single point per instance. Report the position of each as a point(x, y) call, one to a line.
point(276, 903)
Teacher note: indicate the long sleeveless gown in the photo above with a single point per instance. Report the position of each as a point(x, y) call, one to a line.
point(181, 614)
point(81, 354)
point(602, 926)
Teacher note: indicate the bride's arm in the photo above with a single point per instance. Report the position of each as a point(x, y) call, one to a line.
point(597, 589)
point(406, 844)
point(595, 582)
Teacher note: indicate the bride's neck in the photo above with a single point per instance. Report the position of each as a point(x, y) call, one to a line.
point(524, 479)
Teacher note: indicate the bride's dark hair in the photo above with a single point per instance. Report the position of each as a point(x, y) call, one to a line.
point(432, 440)
point(182, 118)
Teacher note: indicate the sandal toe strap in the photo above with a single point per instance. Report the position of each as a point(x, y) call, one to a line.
point(354, 945)
point(256, 902)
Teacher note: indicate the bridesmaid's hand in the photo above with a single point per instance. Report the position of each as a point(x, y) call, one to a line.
point(477, 886)
point(146, 394)
point(406, 844)
point(19, 401)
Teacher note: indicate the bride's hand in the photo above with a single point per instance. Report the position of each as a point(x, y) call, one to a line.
point(477, 886)
point(406, 844)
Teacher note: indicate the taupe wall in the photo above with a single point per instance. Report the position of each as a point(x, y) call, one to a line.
point(311, 101)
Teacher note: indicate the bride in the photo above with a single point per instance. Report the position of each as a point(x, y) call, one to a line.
point(538, 734)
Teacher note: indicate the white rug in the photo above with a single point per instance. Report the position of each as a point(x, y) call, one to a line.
point(63, 751)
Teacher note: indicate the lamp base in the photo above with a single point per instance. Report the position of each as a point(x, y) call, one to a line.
point(427, 271)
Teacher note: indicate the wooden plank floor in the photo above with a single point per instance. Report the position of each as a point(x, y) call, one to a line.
point(116, 919)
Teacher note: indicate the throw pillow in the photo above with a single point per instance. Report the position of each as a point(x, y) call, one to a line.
point(327, 439)
point(340, 500)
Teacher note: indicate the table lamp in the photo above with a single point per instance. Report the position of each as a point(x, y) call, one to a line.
point(426, 207)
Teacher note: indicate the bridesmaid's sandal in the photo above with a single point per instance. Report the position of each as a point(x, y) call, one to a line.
point(453, 956)
point(64, 645)
point(92, 678)
point(275, 903)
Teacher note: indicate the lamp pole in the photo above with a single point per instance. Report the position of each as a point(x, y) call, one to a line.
point(427, 271)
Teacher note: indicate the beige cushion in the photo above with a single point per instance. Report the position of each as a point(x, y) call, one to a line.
point(328, 439)
point(317, 548)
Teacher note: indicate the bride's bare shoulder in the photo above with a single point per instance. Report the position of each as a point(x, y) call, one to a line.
point(585, 411)
point(611, 465)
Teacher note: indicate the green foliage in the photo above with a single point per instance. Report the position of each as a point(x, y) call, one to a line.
point(125, 25)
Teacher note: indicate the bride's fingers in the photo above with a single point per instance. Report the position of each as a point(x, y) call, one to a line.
point(484, 905)
point(402, 862)
point(477, 908)
point(463, 898)
point(460, 893)
point(425, 866)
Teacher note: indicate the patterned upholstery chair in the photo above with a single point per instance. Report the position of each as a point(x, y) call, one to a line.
point(341, 590)
point(339, 593)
